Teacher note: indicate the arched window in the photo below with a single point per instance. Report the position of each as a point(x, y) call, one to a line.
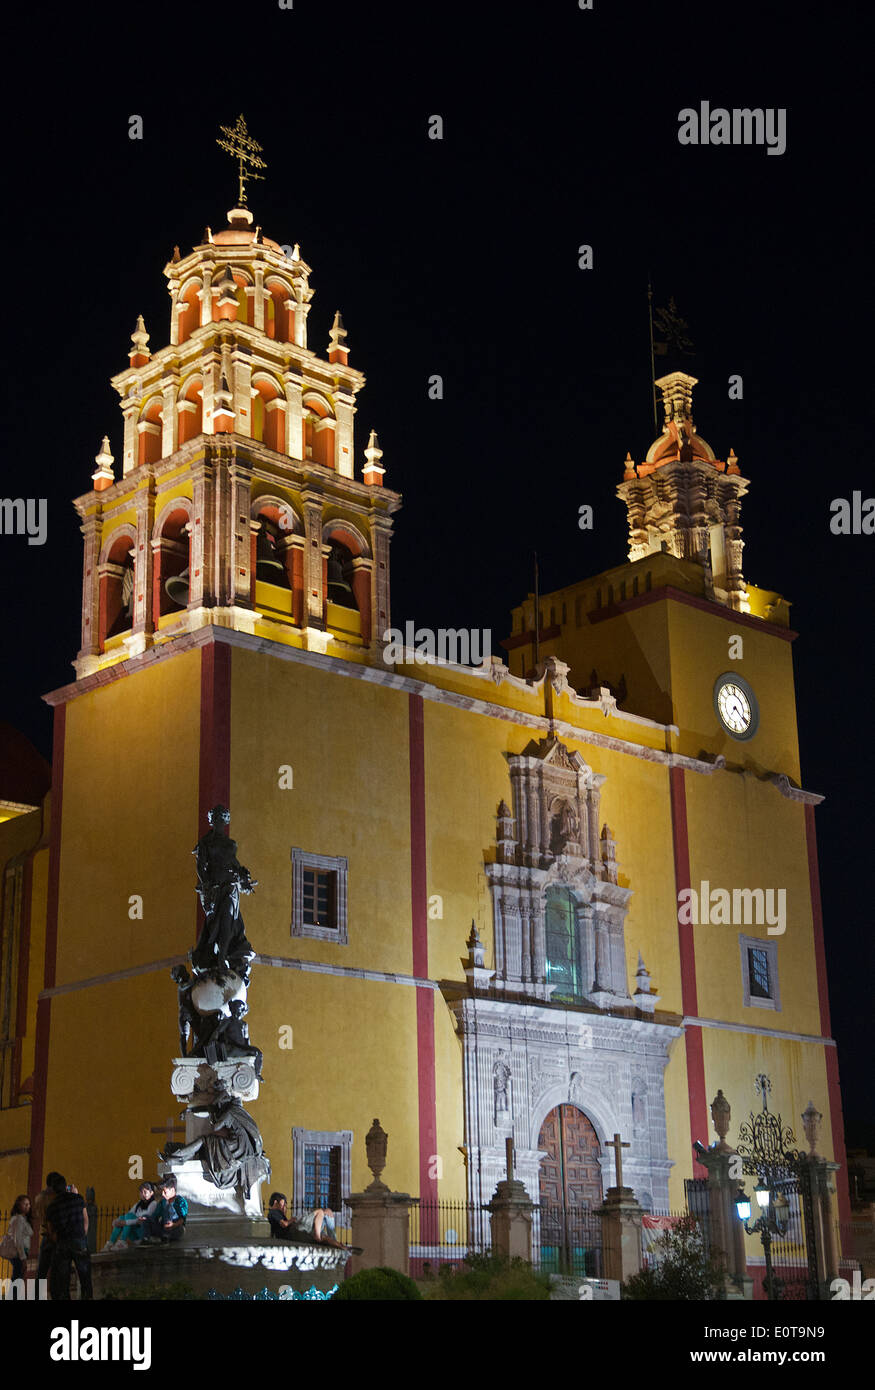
point(319, 426)
point(268, 414)
point(190, 410)
point(149, 429)
point(562, 946)
point(279, 322)
point(116, 577)
point(188, 311)
point(171, 564)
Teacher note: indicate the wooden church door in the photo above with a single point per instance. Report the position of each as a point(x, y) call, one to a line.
point(571, 1174)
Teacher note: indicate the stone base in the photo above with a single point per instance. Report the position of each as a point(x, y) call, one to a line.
point(205, 1199)
point(251, 1264)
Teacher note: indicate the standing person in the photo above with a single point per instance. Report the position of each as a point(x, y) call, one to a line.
point(19, 1234)
point(41, 1204)
point(67, 1221)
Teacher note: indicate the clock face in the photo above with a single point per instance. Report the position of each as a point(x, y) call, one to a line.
point(736, 706)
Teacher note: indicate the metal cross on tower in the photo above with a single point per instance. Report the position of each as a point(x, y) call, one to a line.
point(245, 150)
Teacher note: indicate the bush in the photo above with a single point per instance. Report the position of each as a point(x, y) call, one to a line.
point(379, 1283)
point(491, 1278)
point(684, 1271)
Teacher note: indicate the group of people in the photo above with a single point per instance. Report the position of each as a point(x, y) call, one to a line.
point(153, 1219)
point(61, 1216)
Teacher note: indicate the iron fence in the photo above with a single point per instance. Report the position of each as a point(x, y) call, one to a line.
point(443, 1232)
point(568, 1240)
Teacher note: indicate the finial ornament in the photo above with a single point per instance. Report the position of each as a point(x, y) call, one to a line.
point(241, 146)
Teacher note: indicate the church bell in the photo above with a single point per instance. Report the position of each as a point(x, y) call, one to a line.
point(177, 588)
point(269, 569)
point(339, 591)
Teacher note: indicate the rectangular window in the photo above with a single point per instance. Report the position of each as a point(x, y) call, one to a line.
point(321, 1170)
point(319, 896)
point(322, 1176)
point(759, 973)
point(319, 899)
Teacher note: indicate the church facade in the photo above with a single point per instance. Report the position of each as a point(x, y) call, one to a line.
point(556, 896)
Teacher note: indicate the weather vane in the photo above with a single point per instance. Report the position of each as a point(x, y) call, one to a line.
point(245, 150)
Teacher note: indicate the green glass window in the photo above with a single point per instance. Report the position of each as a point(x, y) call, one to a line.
point(563, 948)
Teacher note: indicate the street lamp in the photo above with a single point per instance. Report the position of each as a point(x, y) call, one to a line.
point(765, 1145)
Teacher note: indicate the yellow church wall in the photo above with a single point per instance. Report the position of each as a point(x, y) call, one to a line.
point(14, 1141)
point(350, 797)
point(700, 644)
point(130, 771)
point(677, 1123)
point(761, 845)
point(111, 1047)
point(353, 1057)
point(37, 953)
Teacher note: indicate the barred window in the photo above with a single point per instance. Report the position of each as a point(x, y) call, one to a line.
point(319, 896)
point(759, 973)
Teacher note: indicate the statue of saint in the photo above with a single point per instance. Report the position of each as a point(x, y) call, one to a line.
point(221, 880)
point(500, 1081)
point(232, 1154)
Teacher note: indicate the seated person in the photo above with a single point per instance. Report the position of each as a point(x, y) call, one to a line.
point(317, 1225)
point(130, 1228)
point(167, 1221)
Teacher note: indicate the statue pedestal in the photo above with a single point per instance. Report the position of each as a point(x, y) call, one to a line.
point(381, 1227)
point(511, 1211)
point(622, 1218)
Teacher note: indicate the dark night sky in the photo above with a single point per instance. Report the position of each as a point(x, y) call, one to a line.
point(460, 258)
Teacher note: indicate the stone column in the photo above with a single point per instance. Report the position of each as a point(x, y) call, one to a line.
point(144, 503)
point(294, 445)
point(381, 613)
point(621, 1217)
point(169, 423)
point(727, 1232)
point(91, 532)
point(380, 1217)
point(511, 1210)
point(131, 412)
point(313, 585)
point(344, 410)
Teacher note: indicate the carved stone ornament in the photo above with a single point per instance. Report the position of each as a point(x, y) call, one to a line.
point(811, 1119)
point(721, 1114)
point(376, 1146)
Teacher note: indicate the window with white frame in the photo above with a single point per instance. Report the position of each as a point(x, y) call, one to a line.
point(319, 895)
point(759, 973)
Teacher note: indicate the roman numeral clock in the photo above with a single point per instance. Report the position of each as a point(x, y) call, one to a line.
point(736, 705)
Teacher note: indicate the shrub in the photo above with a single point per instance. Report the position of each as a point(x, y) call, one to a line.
point(491, 1278)
point(379, 1283)
point(684, 1271)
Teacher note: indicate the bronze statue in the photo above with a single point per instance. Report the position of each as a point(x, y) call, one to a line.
point(232, 1154)
point(221, 880)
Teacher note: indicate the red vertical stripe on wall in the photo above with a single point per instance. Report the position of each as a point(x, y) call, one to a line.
point(23, 973)
point(215, 749)
point(832, 1061)
point(425, 1054)
point(689, 995)
point(35, 1173)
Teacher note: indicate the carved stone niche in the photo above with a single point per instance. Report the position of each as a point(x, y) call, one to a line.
point(550, 841)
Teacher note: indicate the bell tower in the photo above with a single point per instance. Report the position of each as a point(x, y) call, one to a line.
point(684, 500)
point(238, 503)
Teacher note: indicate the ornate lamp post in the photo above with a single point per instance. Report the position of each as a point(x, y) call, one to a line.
point(766, 1147)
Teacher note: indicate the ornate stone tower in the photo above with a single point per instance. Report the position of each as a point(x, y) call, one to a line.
point(685, 500)
point(238, 504)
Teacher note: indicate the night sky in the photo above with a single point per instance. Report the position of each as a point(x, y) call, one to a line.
point(460, 257)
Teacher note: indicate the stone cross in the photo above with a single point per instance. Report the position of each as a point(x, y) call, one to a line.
point(169, 1128)
point(617, 1144)
point(508, 1157)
